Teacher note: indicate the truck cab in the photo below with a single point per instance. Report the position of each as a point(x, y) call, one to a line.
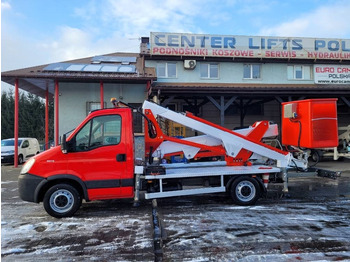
point(95, 162)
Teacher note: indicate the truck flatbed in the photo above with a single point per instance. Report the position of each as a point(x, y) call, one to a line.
point(202, 169)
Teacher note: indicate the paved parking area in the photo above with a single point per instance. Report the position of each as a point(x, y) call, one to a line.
point(312, 224)
point(102, 231)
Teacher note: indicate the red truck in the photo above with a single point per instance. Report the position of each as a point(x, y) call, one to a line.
point(97, 161)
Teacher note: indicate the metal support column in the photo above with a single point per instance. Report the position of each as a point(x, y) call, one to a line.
point(222, 110)
point(222, 106)
point(16, 124)
point(101, 95)
point(56, 113)
point(285, 180)
point(345, 100)
point(242, 113)
point(47, 118)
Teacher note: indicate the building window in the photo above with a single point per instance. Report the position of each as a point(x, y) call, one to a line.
point(91, 106)
point(251, 71)
point(166, 70)
point(136, 118)
point(209, 70)
point(299, 72)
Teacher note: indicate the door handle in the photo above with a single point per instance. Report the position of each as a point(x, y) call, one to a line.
point(121, 157)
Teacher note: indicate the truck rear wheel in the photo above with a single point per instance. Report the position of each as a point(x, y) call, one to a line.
point(62, 200)
point(245, 191)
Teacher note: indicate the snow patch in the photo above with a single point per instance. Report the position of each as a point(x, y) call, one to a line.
point(13, 251)
point(7, 182)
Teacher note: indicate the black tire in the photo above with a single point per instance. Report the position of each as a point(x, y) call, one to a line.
point(316, 156)
point(20, 159)
point(62, 200)
point(245, 191)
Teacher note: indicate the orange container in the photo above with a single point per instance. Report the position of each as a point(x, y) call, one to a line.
point(310, 123)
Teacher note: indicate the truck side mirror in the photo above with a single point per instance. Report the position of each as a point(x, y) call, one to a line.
point(64, 144)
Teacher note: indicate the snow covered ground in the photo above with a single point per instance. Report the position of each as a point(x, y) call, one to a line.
point(100, 231)
point(279, 231)
point(312, 225)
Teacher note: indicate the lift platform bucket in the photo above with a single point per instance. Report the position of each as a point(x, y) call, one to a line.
point(310, 123)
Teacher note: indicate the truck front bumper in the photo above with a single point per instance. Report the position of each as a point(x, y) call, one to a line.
point(27, 187)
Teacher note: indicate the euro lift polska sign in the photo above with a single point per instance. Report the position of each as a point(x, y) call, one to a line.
point(332, 74)
point(175, 44)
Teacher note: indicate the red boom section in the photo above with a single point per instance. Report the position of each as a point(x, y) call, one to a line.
point(242, 158)
point(152, 144)
point(251, 139)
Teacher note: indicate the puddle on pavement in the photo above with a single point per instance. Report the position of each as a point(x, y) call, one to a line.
point(335, 224)
point(40, 228)
point(248, 234)
point(317, 246)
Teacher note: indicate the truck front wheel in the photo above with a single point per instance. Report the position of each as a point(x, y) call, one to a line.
point(62, 200)
point(245, 191)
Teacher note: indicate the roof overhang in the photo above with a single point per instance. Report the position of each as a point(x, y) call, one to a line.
point(248, 89)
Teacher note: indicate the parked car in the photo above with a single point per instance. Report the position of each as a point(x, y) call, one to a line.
point(27, 147)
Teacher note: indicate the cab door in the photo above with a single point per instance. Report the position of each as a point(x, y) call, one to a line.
point(99, 154)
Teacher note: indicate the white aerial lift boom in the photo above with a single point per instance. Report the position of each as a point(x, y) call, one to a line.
point(245, 172)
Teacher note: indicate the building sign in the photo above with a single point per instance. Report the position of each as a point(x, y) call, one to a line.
point(332, 74)
point(175, 44)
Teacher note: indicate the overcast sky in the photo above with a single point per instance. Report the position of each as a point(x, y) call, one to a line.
point(37, 32)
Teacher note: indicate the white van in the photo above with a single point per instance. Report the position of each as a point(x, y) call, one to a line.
point(27, 147)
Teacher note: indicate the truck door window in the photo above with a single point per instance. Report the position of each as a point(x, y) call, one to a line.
point(100, 131)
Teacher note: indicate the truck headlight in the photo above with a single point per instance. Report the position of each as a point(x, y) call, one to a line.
point(28, 165)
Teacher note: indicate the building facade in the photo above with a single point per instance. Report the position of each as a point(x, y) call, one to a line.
point(237, 80)
point(229, 80)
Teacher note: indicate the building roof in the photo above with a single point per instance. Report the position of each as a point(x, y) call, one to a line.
point(36, 79)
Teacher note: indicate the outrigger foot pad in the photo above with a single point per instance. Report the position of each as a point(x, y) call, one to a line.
point(327, 173)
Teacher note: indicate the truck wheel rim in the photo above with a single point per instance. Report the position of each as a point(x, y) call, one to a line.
point(245, 191)
point(61, 201)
